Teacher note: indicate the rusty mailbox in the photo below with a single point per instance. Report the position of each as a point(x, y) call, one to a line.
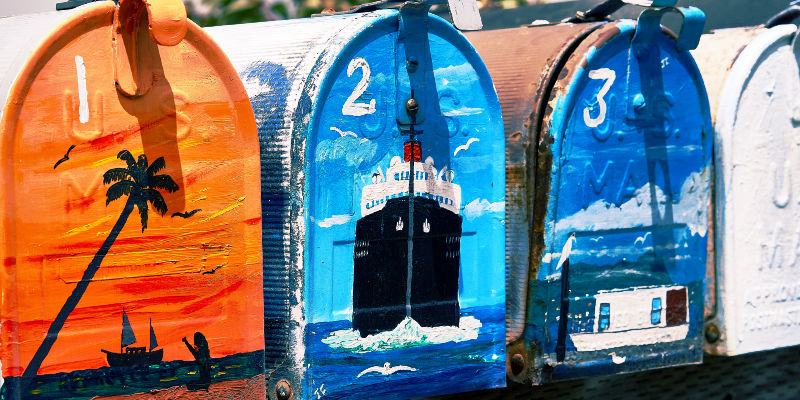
point(383, 204)
point(608, 150)
point(129, 209)
point(753, 83)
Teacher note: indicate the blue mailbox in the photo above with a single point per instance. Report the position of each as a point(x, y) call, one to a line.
point(382, 204)
point(608, 165)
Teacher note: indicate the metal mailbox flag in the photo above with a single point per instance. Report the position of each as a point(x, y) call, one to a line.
point(129, 209)
point(383, 204)
point(608, 168)
point(753, 81)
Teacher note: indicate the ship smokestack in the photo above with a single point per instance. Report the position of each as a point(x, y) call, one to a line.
point(412, 149)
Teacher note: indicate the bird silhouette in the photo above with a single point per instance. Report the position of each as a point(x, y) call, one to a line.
point(186, 214)
point(386, 370)
point(65, 158)
point(213, 270)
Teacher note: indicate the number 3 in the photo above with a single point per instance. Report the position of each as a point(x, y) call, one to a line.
point(607, 75)
point(350, 106)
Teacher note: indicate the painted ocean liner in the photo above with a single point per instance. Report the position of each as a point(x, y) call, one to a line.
point(407, 248)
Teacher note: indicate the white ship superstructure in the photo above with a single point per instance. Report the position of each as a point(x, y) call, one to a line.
point(429, 183)
point(636, 316)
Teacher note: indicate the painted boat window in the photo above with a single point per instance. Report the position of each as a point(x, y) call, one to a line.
point(605, 316)
point(655, 312)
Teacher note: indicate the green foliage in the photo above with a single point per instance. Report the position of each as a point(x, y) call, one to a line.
point(227, 12)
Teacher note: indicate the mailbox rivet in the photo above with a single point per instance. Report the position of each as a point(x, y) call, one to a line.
point(517, 364)
point(411, 64)
point(283, 390)
point(412, 107)
point(712, 333)
point(638, 102)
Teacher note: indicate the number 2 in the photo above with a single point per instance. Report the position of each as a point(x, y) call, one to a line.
point(350, 106)
point(608, 75)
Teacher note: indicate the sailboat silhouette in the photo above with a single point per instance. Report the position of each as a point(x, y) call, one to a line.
point(134, 356)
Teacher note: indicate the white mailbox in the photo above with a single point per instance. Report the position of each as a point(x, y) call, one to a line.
point(753, 301)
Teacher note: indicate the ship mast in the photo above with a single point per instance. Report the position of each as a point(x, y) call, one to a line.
point(412, 152)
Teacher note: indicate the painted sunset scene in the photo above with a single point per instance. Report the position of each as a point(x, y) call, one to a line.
point(135, 266)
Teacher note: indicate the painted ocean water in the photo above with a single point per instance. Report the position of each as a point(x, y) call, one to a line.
point(431, 361)
point(106, 381)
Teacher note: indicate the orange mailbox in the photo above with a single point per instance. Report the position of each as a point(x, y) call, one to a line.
point(130, 211)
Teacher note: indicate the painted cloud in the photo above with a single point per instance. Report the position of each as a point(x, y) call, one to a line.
point(691, 209)
point(478, 207)
point(346, 148)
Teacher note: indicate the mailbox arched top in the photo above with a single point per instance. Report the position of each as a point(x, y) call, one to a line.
point(22, 69)
point(749, 59)
point(333, 60)
point(594, 51)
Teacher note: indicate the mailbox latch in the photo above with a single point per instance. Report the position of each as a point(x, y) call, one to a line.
point(139, 26)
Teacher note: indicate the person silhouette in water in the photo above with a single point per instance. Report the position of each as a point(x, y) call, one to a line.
point(203, 358)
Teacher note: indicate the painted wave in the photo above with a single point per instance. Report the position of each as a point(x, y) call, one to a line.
point(408, 333)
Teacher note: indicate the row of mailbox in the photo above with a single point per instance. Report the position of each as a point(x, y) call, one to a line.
point(320, 203)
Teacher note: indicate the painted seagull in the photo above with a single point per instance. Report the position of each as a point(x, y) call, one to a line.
point(385, 369)
point(65, 158)
point(617, 359)
point(465, 146)
point(565, 251)
point(348, 133)
point(641, 239)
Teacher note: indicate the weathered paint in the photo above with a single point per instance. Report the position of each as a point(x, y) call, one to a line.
point(612, 125)
point(191, 269)
point(329, 99)
point(757, 304)
point(523, 83)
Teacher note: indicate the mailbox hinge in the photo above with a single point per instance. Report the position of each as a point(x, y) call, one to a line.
point(412, 58)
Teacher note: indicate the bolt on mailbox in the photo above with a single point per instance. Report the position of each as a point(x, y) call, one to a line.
point(129, 209)
point(753, 81)
point(608, 152)
point(383, 204)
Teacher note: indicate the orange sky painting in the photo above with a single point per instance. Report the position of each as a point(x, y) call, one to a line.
point(198, 118)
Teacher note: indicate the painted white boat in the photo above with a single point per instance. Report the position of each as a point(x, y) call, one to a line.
point(636, 316)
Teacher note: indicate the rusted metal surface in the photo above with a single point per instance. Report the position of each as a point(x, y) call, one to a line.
point(523, 82)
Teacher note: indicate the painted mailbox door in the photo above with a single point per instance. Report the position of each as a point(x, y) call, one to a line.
point(627, 218)
point(344, 318)
point(130, 224)
point(388, 318)
point(757, 210)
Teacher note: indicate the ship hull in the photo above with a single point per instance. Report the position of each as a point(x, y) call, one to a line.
point(134, 359)
point(380, 276)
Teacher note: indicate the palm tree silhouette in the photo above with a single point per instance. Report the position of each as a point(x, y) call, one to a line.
point(141, 184)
